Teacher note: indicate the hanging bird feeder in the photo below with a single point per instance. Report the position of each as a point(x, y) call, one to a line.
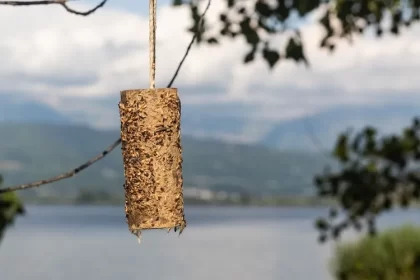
point(152, 153)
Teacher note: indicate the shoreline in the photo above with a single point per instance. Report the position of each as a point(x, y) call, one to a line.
point(276, 202)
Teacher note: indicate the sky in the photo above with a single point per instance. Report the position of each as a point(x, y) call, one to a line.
point(78, 65)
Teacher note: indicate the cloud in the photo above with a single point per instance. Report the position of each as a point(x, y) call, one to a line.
point(78, 65)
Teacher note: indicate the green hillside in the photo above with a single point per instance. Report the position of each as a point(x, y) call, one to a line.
point(35, 151)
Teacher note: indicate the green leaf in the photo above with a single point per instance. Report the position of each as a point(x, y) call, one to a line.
point(263, 9)
point(341, 150)
point(231, 3)
point(250, 34)
point(294, 50)
point(241, 10)
point(271, 56)
point(10, 207)
point(212, 41)
point(305, 6)
point(371, 167)
point(322, 224)
point(250, 56)
point(177, 3)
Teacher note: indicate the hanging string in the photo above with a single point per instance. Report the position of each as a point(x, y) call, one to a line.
point(152, 42)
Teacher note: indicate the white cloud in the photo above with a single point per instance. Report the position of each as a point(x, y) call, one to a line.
point(69, 62)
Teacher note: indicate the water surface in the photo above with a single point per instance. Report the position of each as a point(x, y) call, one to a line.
point(76, 243)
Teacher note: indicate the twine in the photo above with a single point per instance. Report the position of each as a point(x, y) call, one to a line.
point(152, 43)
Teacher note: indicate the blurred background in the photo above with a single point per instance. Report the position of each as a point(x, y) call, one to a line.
point(299, 132)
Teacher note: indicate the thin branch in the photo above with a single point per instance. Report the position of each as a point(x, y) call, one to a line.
point(64, 175)
point(315, 139)
point(106, 151)
point(63, 3)
point(190, 45)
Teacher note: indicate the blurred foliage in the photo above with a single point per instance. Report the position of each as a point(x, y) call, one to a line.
point(260, 21)
point(376, 174)
point(10, 207)
point(392, 255)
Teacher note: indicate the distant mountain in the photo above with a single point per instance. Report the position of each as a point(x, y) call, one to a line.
point(36, 151)
point(16, 110)
point(325, 126)
point(226, 123)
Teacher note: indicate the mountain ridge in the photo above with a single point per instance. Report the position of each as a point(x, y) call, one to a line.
point(31, 152)
point(295, 134)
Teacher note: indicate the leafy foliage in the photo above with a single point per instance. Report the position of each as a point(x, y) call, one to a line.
point(376, 174)
point(10, 207)
point(260, 21)
point(394, 254)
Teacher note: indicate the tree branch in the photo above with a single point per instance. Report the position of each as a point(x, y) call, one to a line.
point(64, 175)
point(106, 151)
point(63, 3)
point(190, 45)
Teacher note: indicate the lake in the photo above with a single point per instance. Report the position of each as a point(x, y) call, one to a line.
point(77, 243)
